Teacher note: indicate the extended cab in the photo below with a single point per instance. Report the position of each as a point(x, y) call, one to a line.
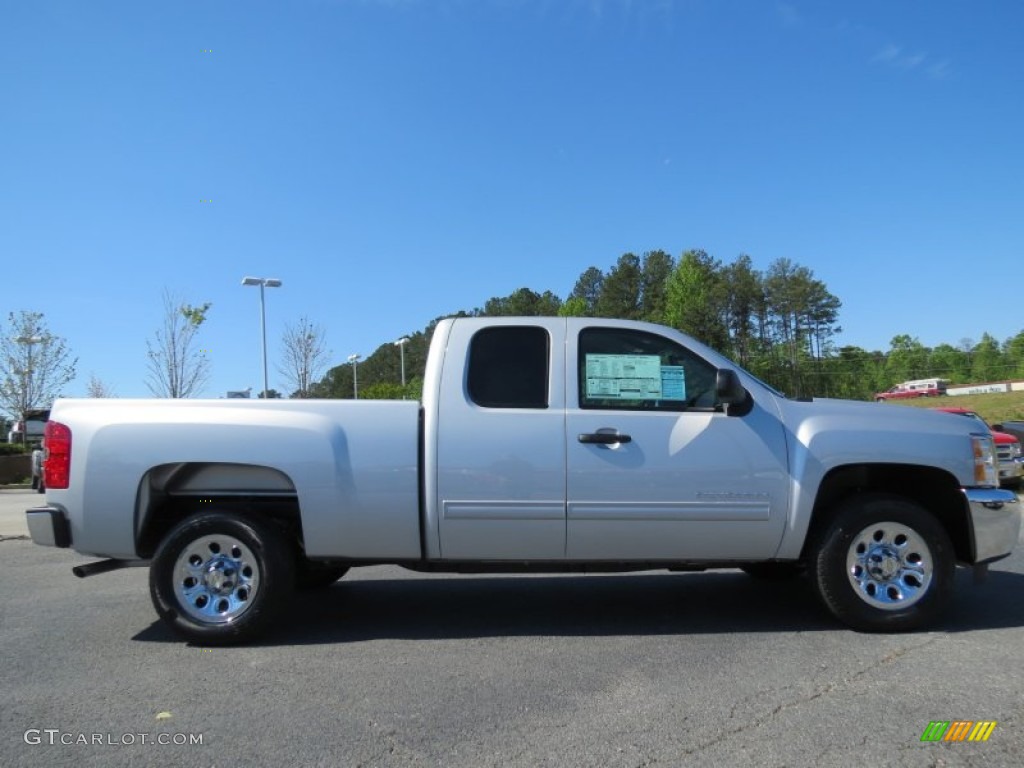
point(541, 444)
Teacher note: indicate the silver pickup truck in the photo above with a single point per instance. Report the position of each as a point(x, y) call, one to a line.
point(541, 444)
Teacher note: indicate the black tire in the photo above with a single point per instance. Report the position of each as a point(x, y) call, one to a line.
point(310, 575)
point(219, 578)
point(773, 571)
point(883, 564)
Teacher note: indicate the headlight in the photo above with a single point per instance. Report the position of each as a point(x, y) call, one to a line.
point(985, 463)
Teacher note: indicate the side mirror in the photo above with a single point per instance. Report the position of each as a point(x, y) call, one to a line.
point(731, 393)
point(728, 387)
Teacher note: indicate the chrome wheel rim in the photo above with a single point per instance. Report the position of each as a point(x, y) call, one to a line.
point(216, 578)
point(890, 566)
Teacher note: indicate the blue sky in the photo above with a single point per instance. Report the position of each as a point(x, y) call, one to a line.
point(395, 160)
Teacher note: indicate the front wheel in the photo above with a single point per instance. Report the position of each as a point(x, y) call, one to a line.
point(221, 578)
point(883, 565)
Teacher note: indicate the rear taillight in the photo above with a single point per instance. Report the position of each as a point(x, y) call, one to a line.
point(57, 460)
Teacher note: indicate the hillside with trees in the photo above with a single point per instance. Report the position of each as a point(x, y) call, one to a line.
point(780, 324)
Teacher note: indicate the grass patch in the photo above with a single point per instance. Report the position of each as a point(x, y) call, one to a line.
point(994, 408)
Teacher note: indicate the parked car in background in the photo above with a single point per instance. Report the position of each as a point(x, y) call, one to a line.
point(31, 429)
point(38, 484)
point(1011, 467)
point(916, 388)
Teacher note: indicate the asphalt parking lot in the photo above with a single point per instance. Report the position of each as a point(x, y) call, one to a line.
point(391, 668)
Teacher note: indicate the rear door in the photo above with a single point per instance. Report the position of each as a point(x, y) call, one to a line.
point(501, 441)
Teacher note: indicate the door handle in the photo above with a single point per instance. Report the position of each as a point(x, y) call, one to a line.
point(603, 438)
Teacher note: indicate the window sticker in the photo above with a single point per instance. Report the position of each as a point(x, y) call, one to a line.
point(673, 382)
point(624, 377)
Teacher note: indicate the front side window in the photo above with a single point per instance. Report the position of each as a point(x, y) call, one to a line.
point(508, 367)
point(635, 370)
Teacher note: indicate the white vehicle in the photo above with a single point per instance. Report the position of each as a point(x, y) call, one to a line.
point(30, 429)
point(915, 388)
point(541, 444)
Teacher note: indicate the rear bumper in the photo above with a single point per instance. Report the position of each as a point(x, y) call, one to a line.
point(48, 526)
point(995, 522)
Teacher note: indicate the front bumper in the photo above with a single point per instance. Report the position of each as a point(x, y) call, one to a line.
point(48, 526)
point(1011, 469)
point(995, 522)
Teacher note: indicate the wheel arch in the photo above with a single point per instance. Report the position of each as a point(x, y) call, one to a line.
point(934, 489)
point(168, 493)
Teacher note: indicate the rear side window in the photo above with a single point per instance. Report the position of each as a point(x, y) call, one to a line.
point(508, 367)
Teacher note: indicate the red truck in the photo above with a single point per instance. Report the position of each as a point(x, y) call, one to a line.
point(1007, 449)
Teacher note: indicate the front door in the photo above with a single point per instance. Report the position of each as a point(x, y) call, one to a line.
point(656, 469)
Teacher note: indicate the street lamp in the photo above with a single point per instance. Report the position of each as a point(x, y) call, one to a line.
point(401, 348)
point(354, 359)
point(263, 282)
point(26, 394)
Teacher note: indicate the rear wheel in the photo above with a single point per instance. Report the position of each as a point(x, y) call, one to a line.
point(220, 578)
point(883, 565)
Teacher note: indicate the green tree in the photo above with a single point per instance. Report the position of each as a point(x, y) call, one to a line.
point(987, 361)
point(745, 309)
point(588, 289)
point(380, 373)
point(386, 390)
point(802, 315)
point(1013, 350)
point(855, 373)
point(620, 292)
point(948, 362)
point(907, 360)
point(655, 271)
point(574, 306)
point(695, 299)
point(522, 303)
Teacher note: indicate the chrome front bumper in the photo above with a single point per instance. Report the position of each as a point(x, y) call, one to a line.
point(995, 522)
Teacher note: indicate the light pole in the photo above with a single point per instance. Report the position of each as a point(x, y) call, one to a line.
point(263, 282)
point(354, 359)
point(26, 394)
point(401, 348)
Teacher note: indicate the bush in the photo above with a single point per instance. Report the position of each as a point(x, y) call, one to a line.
point(14, 449)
